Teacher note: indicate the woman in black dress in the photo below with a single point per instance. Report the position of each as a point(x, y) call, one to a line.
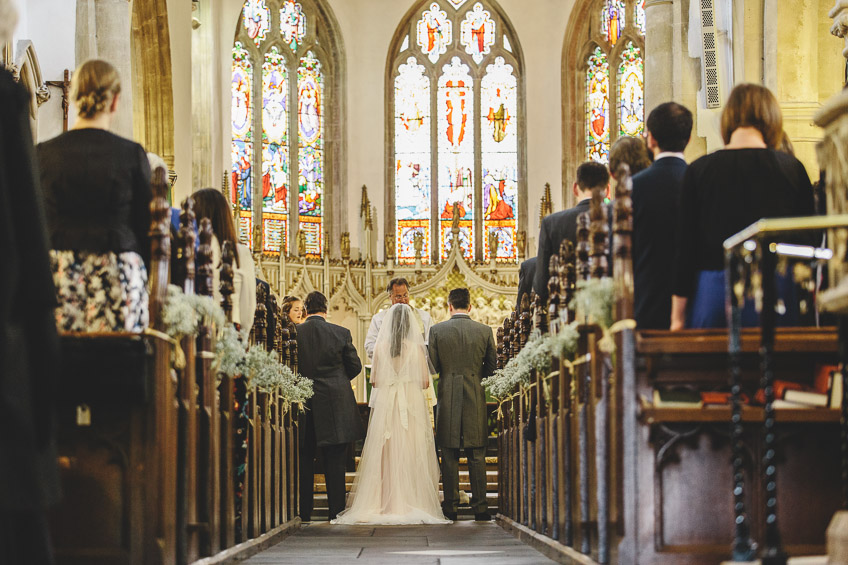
point(727, 191)
point(97, 193)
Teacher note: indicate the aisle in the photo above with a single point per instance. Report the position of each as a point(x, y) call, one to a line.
point(463, 543)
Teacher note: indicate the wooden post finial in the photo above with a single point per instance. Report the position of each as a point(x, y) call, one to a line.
point(203, 280)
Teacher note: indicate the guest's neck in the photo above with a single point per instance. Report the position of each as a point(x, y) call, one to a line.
point(319, 314)
point(103, 120)
point(746, 138)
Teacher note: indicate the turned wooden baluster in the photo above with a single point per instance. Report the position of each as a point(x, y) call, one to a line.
point(284, 347)
point(583, 251)
point(160, 240)
point(500, 346)
point(525, 322)
point(188, 545)
point(258, 333)
point(227, 273)
point(273, 329)
point(599, 235)
point(540, 314)
point(208, 476)
point(203, 278)
point(228, 414)
point(568, 279)
point(554, 293)
point(622, 244)
point(513, 334)
point(507, 346)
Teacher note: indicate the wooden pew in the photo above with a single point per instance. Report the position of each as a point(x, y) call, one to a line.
point(117, 434)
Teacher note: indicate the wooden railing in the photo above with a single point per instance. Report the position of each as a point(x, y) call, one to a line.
point(147, 450)
point(592, 472)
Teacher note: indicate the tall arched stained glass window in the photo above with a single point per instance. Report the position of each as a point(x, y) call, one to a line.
point(461, 60)
point(611, 66)
point(278, 58)
point(631, 92)
point(597, 107)
point(412, 159)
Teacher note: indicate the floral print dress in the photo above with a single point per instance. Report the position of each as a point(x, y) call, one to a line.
point(100, 292)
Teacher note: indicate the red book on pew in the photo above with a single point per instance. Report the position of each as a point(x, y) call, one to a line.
point(713, 398)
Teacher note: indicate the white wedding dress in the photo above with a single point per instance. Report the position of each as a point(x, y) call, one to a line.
point(397, 481)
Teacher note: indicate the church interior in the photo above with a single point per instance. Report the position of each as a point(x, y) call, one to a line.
point(431, 140)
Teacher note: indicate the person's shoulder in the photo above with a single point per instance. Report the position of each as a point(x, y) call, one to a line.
point(529, 263)
point(11, 89)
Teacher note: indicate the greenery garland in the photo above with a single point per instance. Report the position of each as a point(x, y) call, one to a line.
point(184, 315)
point(594, 301)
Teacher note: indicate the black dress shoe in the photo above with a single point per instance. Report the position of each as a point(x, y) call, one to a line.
point(482, 517)
point(451, 516)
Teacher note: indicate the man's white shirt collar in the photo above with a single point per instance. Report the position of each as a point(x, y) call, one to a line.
point(665, 154)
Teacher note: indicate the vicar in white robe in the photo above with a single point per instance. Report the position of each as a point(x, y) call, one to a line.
point(398, 290)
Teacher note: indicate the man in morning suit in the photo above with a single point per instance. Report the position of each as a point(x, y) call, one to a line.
point(563, 225)
point(656, 192)
point(463, 353)
point(329, 359)
point(526, 274)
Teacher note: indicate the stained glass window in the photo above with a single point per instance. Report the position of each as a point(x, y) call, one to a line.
point(499, 143)
point(614, 82)
point(310, 120)
point(256, 18)
point(412, 160)
point(597, 107)
point(631, 110)
point(442, 166)
point(278, 65)
point(640, 16)
point(275, 151)
point(456, 156)
point(613, 17)
point(292, 24)
point(477, 32)
point(435, 32)
point(241, 183)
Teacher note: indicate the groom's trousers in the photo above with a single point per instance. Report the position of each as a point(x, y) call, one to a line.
point(477, 473)
point(334, 473)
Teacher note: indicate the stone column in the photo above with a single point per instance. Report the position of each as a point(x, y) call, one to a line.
point(659, 49)
point(103, 32)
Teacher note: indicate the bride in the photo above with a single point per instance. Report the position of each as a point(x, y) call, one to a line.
point(397, 481)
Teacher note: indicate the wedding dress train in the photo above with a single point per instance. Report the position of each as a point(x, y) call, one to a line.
point(397, 481)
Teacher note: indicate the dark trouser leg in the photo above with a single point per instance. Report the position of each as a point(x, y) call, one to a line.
point(334, 472)
point(477, 473)
point(450, 479)
point(307, 468)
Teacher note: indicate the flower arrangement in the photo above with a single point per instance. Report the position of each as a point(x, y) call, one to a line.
point(184, 314)
point(594, 300)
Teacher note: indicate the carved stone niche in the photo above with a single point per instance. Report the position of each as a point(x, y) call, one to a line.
point(839, 15)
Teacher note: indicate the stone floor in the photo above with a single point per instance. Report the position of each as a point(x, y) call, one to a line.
point(463, 543)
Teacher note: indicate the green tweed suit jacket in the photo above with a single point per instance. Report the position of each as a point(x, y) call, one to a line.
point(463, 353)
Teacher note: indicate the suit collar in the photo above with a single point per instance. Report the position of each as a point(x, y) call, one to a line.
point(460, 315)
point(318, 318)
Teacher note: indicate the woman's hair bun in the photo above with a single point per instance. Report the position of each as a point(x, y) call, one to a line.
point(93, 87)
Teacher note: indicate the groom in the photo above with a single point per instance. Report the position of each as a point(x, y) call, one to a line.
point(463, 353)
point(329, 359)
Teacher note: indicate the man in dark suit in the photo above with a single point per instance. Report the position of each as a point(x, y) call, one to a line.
point(328, 358)
point(526, 274)
point(563, 225)
point(463, 353)
point(656, 192)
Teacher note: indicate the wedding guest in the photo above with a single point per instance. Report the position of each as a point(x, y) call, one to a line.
point(630, 150)
point(210, 203)
point(29, 348)
point(656, 194)
point(293, 308)
point(727, 191)
point(97, 194)
point(563, 225)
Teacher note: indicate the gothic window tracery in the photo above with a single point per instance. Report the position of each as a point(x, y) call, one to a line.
point(279, 162)
point(610, 67)
point(456, 120)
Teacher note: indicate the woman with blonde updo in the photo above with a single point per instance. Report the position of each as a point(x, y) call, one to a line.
point(97, 194)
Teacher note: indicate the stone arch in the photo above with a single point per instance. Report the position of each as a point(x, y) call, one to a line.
point(27, 71)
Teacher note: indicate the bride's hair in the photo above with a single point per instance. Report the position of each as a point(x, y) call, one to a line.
point(400, 327)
